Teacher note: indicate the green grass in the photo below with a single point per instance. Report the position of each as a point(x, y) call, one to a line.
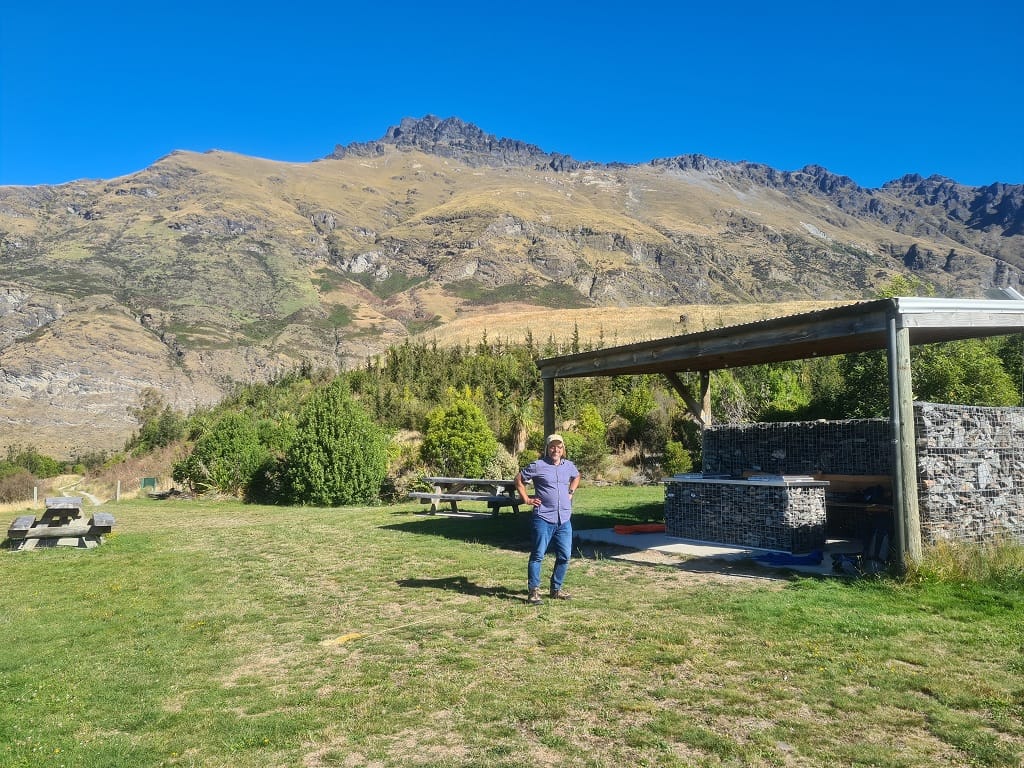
point(208, 634)
point(396, 282)
point(554, 296)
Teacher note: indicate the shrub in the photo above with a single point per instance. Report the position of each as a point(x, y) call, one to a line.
point(502, 464)
point(592, 452)
point(338, 456)
point(677, 459)
point(89, 461)
point(404, 466)
point(525, 458)
point(458, 442)
point(225, 458)
point(16, 484)
point(159, 424)
point(33, 461)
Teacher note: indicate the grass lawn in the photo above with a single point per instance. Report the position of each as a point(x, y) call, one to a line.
point(221, 634)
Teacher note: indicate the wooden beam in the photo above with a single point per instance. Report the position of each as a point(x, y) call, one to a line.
point(776, 340)
point(701, 412)
point(696, 411)
point(908, 447)
point(80, 528)
point(840, 330)
point(907, 521)
point(549, 406)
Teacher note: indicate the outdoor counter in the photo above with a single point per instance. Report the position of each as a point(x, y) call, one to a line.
point(780, 512)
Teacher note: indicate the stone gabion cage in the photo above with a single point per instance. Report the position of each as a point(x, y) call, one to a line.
point(853, 447)
point(970, 462)
point(970, 472)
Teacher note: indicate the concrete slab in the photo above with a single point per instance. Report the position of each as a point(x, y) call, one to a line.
point(708, 552)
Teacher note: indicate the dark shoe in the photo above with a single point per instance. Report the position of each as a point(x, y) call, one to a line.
point(534, 597)
point(560, 594)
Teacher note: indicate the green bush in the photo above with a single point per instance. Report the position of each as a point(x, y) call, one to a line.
point(591, 455)
point(89, 461)
point(573, 446)
point(968, 371)
point(165, 428)
point(33, 461)
point(677, 459)
point(225, 458)
point(338, 456)
point(458, 442)
point(159, 424)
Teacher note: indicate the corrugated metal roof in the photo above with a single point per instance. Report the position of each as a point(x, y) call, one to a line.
point(838, 330)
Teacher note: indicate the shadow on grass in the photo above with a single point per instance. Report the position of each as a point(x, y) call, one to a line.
point(511, 530)
point(463, 586)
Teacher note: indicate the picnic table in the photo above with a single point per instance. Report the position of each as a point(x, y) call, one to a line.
point(62, 524)
point(451, 490)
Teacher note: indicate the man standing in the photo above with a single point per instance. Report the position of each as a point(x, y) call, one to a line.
point(554, 479)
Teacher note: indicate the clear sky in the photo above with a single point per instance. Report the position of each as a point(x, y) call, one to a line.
point(872, 90)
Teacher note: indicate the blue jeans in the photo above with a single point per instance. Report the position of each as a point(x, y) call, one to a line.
point(545, 534)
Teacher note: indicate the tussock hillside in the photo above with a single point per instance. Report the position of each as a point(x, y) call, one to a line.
point(204, 270)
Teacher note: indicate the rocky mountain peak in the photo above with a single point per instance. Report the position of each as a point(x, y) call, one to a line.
point(455, 138)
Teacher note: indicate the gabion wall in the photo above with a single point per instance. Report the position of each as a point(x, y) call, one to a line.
point(970, 462)
point(855, 447)
point(747, 514)
point(970, 472)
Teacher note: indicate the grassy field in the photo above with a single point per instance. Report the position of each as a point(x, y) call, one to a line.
point(220, 634)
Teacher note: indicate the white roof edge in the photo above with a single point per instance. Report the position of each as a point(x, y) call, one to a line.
point(1013, 293)
point(909, 305)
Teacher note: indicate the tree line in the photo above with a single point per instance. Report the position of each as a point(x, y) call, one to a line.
point(322, 438)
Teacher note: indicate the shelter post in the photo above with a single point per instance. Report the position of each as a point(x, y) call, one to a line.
point(705, 397)
point(549, 404)
point(901, 419)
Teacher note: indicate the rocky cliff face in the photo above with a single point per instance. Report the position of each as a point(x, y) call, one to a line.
point(204, 270)
point(451, 137)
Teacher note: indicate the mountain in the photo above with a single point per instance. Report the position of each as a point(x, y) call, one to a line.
point(205, 270)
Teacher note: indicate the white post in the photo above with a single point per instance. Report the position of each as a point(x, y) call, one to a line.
point(35, 494)
point(117, 493)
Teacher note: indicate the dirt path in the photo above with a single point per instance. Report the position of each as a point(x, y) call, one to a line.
point(73, 488)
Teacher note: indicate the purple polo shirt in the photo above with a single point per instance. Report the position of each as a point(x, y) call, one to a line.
point(551, 484)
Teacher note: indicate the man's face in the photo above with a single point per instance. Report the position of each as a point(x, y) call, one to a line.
point(556, 451)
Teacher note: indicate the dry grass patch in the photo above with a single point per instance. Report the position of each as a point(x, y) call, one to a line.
point(603, 326)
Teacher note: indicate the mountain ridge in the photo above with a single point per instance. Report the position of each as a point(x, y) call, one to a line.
point(237, 269)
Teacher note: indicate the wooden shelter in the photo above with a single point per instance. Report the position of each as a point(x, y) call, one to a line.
point(893, 324)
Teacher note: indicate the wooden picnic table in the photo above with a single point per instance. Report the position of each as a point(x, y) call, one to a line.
point(62, 523)
point(451, 490)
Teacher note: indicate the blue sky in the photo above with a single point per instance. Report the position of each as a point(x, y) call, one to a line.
point(872, 90)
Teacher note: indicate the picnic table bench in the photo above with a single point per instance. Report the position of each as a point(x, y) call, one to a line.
point(62, 522)
point(451, 490)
